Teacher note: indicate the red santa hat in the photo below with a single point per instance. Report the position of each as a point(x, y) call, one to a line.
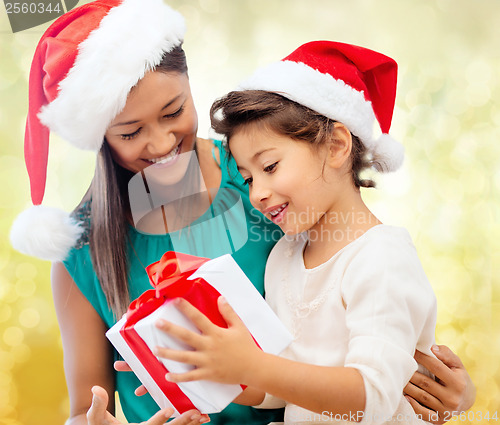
point(83, 69)
point(347, 83)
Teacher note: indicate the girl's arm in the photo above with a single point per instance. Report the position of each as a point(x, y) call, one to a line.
point(450, 394)
point(231, 356)
point(250, 397)
point(88, 359)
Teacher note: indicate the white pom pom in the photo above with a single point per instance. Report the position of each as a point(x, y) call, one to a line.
point(388, 152)
point(44, 232)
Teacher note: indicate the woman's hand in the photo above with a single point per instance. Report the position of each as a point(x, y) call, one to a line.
point(249, 397)
point(98, 415)
point(122, 366)
point(452, 392)
point(220, 354)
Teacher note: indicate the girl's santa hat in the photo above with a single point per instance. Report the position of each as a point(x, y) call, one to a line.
point(346, 83)
point(83, 69)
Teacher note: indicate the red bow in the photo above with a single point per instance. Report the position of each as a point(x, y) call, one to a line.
point(170, 276)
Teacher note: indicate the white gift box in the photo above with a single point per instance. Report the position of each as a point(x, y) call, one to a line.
point(226, 277)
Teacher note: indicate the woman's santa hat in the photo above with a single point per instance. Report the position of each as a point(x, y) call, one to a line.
point(347, 83)
point(83, 69)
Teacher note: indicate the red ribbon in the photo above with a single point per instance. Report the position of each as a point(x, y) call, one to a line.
point(170, 276)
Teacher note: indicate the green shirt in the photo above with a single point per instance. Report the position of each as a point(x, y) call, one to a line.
point(230, 225)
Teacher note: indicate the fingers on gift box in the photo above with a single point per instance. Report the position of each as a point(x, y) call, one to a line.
point(200, 281)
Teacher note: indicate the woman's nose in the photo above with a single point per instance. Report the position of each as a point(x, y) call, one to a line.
point(161, 141)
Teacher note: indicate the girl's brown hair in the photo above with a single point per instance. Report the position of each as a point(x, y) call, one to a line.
point(110, 212)
point(285, 117)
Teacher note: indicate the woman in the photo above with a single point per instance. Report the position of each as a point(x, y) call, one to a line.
point(100, 96)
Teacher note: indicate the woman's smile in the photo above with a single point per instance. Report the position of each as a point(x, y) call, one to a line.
point(165, 160)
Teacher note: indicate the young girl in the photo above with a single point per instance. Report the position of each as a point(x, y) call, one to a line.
point(350, 288)
point(133, 107)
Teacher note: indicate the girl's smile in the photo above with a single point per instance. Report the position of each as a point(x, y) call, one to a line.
point(276, 213)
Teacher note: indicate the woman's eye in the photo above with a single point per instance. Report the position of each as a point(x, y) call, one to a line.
point(175, 114)
point(130, 136)
point(270, 168)
point(248, 181)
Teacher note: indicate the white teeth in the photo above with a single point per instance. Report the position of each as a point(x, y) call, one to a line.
point(278, 210)
point(166, 158)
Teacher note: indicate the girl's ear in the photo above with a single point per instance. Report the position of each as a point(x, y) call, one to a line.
point(339, 146)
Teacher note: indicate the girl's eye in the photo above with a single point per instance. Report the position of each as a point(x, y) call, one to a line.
point(130, 136)
point(248, 181)
point(270, 168)
point(175, 114)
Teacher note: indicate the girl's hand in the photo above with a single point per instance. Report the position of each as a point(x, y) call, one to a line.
point(450, 394)
point(220, 354)
point(98, 415)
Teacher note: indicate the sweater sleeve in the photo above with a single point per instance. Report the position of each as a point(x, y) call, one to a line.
point(390, 309)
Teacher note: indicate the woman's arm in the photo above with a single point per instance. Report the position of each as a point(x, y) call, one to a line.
point(87, 353)
point(88, 359)
point(231, 356)
point(451, 393)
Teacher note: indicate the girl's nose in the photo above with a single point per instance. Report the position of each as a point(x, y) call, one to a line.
point(259, 193)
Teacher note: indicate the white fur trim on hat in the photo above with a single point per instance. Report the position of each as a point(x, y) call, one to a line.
point(389, 153)
point(320, 92)
point(44, 232)
point(130, 40)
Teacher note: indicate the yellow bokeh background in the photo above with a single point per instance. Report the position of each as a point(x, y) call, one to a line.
point(447, 194)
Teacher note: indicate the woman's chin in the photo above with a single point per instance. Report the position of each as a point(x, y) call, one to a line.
point(172, 172)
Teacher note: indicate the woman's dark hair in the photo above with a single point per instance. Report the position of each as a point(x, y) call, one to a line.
point(110, 212)
point(173, 61)
point(285, 117)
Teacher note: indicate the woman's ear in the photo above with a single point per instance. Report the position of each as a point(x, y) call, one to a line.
point(339, 146)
